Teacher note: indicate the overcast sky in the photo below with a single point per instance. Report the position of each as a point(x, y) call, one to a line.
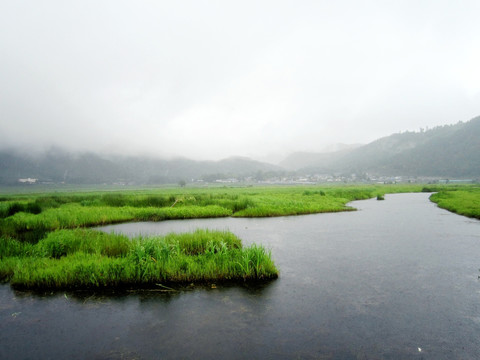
point(211, 79)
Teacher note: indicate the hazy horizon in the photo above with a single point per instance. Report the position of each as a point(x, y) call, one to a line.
point(209, 80)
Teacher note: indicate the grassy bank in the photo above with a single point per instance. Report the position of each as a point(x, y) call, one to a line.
point(84, 258)
point(463, 201)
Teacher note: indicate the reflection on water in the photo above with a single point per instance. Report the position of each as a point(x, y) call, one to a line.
point(397, 279)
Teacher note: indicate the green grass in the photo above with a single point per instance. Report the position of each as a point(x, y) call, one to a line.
point(463, 201)
point(29, 217)
point(84, 258)
point(45, 241)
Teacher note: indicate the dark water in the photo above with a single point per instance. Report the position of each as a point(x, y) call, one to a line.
point(397, 279)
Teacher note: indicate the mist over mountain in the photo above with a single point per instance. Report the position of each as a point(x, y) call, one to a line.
point(450, 151)
point(444, 151)
point(59, 166)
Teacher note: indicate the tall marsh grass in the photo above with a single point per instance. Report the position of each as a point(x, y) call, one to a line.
point(83, 258)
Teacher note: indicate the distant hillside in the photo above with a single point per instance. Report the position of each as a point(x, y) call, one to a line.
point(60, 166)
point(444, 151)
point(451, 151)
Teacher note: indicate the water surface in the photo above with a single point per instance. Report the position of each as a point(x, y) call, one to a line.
point(397, 279)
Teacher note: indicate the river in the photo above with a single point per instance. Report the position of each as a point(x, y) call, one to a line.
point(397, 279)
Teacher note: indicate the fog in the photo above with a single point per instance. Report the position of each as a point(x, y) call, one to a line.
point(212, 79)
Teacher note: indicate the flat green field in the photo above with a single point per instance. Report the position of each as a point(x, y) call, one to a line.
point(45, 241)
point(30, 216)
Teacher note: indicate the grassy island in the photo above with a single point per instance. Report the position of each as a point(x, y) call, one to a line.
point(84, 258)
point(45, 240)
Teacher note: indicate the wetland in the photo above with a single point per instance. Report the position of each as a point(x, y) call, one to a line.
point(397, 279)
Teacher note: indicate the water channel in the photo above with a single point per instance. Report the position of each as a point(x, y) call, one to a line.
point(397, 279)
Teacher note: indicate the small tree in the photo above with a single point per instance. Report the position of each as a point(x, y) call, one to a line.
point(182, 183)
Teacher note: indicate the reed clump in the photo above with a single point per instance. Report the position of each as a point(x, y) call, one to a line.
point(84, 258)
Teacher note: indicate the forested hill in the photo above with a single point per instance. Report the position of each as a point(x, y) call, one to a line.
point(58, 166)
point(444, 151)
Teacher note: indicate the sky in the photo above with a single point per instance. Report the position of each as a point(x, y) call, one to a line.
point(213, 79)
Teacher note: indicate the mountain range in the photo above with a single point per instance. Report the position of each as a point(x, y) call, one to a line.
point(444, 151)
point(451, 151)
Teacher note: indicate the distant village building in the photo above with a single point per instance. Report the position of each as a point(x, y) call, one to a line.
point(27, 181)
point(230, 180)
